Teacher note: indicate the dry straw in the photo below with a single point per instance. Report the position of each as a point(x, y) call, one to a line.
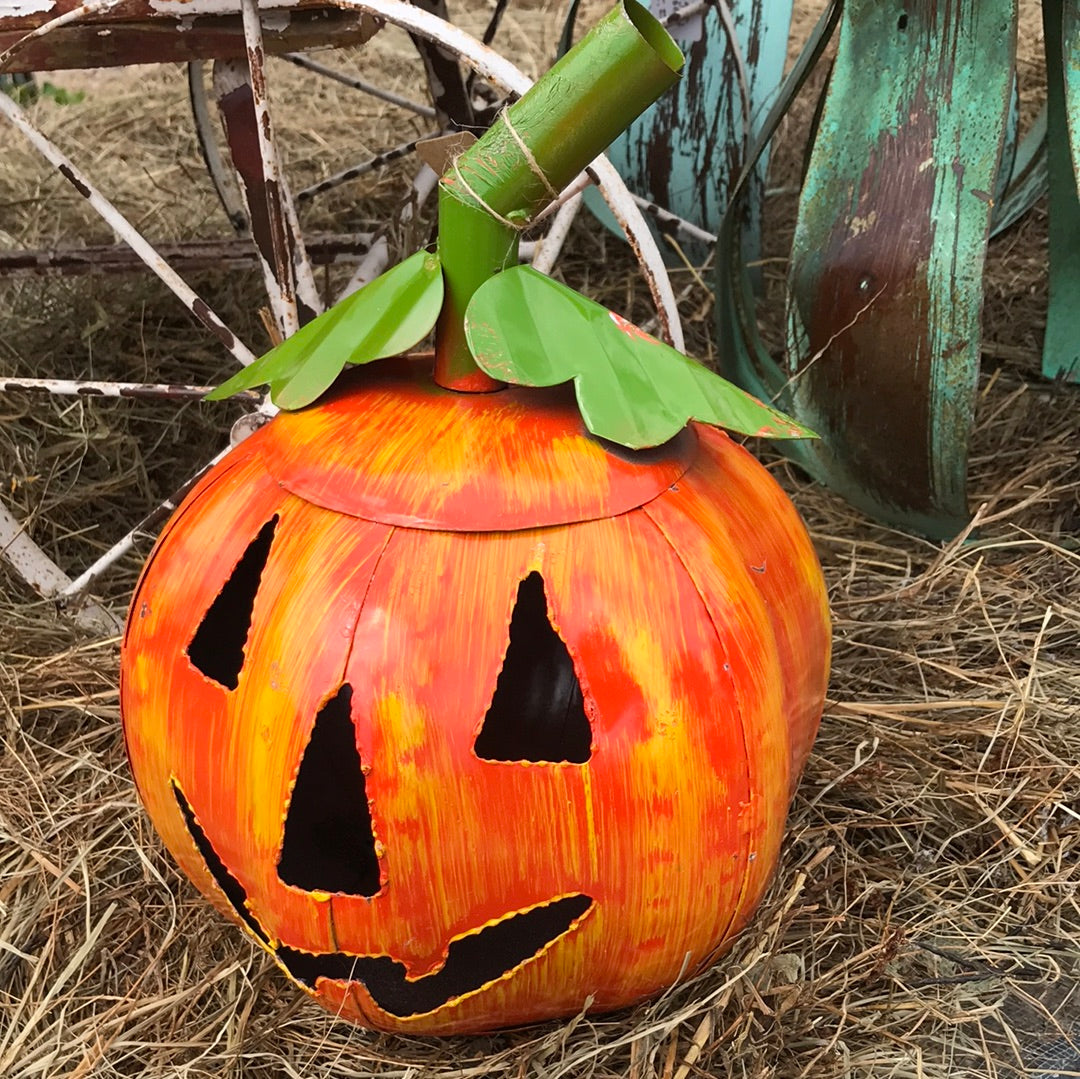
point(924, 921)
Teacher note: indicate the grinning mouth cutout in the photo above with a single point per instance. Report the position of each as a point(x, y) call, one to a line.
point(472, 961)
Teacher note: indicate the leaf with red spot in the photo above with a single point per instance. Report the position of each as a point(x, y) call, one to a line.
point(631, 388)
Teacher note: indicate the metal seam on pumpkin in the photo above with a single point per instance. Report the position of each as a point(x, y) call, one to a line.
point(331, 925)
point(341, 679)
point(736, 697)
point(427, 507)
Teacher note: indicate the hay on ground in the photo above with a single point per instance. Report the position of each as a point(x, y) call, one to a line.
point(924, 918)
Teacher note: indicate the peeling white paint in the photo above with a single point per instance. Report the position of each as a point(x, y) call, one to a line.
point(207, 7)
point(18, 9)
point(686, 31)
point(277, 22)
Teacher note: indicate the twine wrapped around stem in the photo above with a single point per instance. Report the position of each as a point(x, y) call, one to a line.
point(535, 148)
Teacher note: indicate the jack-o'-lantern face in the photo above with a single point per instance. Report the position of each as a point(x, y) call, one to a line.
point(461, 779)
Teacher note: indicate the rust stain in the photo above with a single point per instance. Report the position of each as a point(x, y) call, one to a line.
point(263, 196)
point(203, 313)
point(867, 366)
point(75, 182)
point(132, 32)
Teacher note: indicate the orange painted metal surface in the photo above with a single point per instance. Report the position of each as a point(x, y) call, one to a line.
point(392, 446)
point(499, 891)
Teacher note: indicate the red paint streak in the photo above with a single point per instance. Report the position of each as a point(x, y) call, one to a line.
point(631, 330)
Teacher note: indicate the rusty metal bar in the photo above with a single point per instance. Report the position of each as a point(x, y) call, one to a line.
point(69, 34)
point(427, 111)
point(219, 173)
point(192, 255)
point(354, 172)
point(66, 387)
point(126, 231)
point(265, 185)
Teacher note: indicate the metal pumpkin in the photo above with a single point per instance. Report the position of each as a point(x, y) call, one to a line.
point(466, 719)
point(468, 715)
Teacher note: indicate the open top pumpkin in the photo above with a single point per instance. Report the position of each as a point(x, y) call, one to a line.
point(469, 718)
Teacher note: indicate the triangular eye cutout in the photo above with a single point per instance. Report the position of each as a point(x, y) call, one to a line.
point(329, 845)
point(537, 712)
point(217, 649)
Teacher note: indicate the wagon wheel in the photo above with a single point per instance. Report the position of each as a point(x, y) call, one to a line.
point(459, 101)
point(287, 268)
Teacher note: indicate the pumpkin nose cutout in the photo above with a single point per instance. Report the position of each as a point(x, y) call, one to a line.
point(329, 844)
point(537, 712)
point(217, 649)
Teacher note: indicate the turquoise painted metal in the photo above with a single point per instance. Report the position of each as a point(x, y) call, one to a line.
point(885, 282)
point(1061, 346)
point(886, 274)
point(685, 153)
point(1027, 179)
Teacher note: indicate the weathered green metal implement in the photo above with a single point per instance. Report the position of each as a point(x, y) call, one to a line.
point(915, 162)
point(1061, 27)
point(684, 153)
point(886, 273)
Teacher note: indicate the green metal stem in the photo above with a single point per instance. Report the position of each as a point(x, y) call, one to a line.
point(535, 148)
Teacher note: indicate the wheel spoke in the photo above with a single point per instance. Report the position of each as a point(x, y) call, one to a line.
point(126, 231)
point(44, 576)
point(427, 111)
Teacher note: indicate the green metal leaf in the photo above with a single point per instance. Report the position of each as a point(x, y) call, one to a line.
point(387, 316)
point(632, 389)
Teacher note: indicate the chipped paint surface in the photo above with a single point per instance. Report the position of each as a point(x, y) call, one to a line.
point(687, 150)
point(14, 9)
point(1061, 346)
point(146, 31)
point(886, 274)
point(211, 7)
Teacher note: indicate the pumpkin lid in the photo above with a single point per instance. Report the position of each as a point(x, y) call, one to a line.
point(389, 445)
